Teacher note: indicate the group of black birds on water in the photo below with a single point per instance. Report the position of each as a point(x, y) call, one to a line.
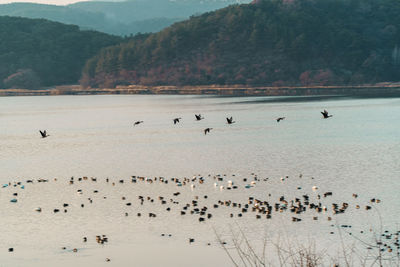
point(198, 117)
point(185, 203)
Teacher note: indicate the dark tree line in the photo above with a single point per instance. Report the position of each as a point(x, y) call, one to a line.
point(37, 52)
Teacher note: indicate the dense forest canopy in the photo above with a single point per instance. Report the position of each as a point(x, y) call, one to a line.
point(268, 42)
point(37, 52)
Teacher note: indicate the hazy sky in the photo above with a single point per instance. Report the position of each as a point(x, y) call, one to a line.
point(53, 2)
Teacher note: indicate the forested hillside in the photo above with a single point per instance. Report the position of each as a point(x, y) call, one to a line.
point(37, 52)
point(268, 42)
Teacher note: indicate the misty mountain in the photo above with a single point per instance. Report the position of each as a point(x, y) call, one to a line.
point(120, 18)
point(82, 18)
point(135, 10)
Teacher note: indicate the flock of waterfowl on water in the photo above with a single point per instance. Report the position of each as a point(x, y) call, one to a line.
point(203, 207)
point(183, 200)
point(199, 117)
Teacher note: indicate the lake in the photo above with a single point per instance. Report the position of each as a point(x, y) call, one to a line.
point(355, 151)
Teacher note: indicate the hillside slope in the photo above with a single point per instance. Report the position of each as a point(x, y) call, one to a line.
point(269, 42)
point(37, 52)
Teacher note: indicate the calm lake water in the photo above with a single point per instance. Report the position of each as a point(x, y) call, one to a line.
point(355, 151)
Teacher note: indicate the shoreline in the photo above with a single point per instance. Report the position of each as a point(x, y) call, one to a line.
point(383, 89)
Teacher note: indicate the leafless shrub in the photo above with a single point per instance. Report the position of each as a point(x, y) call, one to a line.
point(286, 252)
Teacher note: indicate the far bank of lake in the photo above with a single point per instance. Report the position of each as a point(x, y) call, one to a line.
point(375, 90)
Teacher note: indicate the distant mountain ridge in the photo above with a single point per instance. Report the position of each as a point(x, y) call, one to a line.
point(268, 42)
point(120, 18)
point(63, 14)
point(135, 10)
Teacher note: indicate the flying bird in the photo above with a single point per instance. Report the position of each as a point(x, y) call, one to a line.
point(207, 130)
point(137, 123)
point(43, 134)
point(176, 120)
point(325, 114)
point(280, 119)
point(230, 120)
point(198, 117)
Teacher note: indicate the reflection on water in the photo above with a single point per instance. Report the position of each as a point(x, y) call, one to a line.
point(357, 150)
point(299, 99)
